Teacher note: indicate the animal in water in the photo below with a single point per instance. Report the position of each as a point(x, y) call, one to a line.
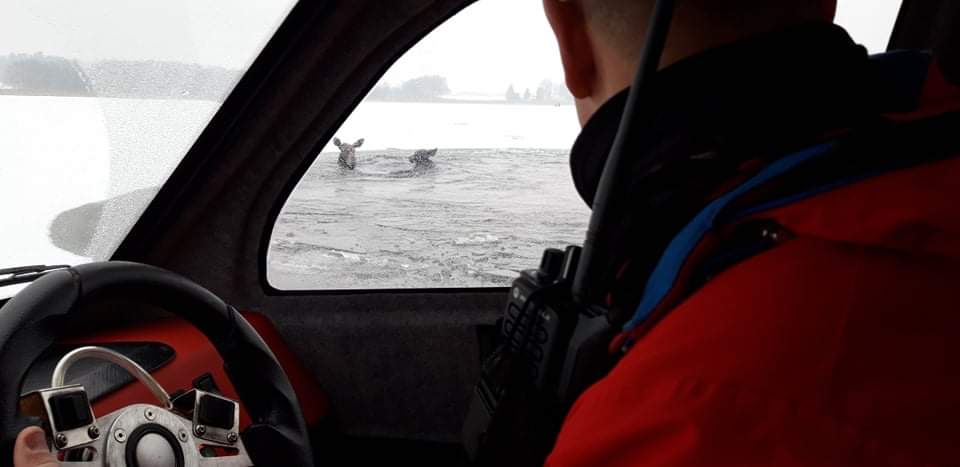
point(348, 153)
point(421, 164)
point(421, 159)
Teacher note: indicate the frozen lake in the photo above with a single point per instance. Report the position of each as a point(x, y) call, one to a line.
point(475, 219)
point(499, 194)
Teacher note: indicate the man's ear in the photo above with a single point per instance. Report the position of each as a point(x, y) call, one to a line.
point(336, 142)
point(570, 28)
point(358, 143)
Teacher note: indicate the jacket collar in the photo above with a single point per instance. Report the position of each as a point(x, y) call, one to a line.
point(745, 100)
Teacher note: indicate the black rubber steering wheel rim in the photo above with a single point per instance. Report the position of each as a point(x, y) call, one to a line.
point(33, 320)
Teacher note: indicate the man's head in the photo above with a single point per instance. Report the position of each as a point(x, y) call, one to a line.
point(601, 40)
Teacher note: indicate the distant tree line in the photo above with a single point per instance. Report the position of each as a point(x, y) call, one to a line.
point(147, 79)
point(150, 79)
point(434, 88)
point(424, 88)
point(548, 92)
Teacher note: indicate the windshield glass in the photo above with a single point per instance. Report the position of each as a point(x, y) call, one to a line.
point(99, 102)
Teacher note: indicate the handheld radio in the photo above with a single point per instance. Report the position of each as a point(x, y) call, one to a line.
point(546, 355)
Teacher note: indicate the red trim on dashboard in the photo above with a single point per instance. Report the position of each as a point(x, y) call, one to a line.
point(196, 356)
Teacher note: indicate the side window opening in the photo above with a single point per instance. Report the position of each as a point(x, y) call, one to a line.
point(869, 22)
point(453, 171)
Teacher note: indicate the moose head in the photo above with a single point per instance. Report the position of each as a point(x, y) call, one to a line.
point(348, 156)
point(423, 156)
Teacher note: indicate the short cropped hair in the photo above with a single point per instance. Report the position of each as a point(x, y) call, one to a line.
point(624, 21)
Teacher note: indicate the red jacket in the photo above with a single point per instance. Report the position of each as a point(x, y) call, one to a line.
point(839, 346)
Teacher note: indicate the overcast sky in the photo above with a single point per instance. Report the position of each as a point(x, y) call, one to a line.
point(492, 44)
point(215, 32)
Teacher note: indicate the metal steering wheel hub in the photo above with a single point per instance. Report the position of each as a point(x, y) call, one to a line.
point(195, 429)
point(153, 446)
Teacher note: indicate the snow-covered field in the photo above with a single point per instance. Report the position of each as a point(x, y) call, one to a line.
point(59, 153)
point(410, 125)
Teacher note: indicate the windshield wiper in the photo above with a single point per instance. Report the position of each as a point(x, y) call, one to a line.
point(21, 274)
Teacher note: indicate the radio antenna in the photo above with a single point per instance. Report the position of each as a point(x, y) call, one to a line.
point(639, 110)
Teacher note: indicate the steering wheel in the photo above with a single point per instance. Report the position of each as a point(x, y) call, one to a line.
point(33, 319)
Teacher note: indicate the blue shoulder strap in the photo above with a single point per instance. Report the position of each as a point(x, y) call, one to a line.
point(905, 71)
point(664, 275)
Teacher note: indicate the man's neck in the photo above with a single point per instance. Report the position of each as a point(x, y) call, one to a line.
point(687, 39)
